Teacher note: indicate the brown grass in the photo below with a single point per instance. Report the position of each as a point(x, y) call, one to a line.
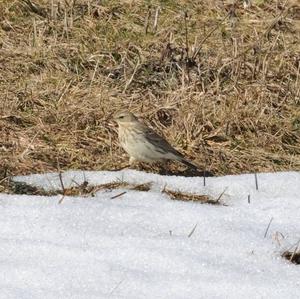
point(220, 82)
point(201, 198)
point(292, 255)
point(83, 189)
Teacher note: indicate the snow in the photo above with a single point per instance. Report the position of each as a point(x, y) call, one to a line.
point(138, 246)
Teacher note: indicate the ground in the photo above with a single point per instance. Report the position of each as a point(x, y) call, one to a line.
point(219, 81)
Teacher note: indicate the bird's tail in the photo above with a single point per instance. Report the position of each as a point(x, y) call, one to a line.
point(189, 164)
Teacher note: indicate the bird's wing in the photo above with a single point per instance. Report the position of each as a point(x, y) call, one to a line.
point(159, 142)
point(163, 146)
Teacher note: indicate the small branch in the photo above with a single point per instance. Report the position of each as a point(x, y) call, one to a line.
point(147, 19)
point(22, 155)
point(256, 181)
point(64, 90)
point(34, 37)
point(62, 187)
point(218, 199)
point(276, 237)
point(205, 167)
point(94, 74)
point(61, 182)
point(192, 231)
point(61, 200)
point(186, 35)
point(266, 232)
point(295, 251)
point(132, 76)
point(209, 34)
point(156, 19)
point(115, 287)
point(118, 195)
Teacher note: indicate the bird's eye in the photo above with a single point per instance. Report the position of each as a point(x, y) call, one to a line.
point(121, 116)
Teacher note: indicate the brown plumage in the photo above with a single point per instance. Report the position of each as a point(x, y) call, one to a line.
point(143, 144)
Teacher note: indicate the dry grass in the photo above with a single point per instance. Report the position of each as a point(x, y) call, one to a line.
point(201, 198)
point(293, 257)
point(293, 254)
point(86, 190)
point(226, 94)
point(83, 189)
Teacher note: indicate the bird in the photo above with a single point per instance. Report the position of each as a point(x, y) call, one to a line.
point(143, 144)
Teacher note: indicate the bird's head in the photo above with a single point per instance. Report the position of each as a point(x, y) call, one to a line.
point(124, 117)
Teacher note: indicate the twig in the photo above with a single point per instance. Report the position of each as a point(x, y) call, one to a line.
point(156, 19)
point(64, 90)
point(294, 252)
point(61, 200)
point(205, 166)
point(266, 232)
point(256, 181)
point(52, 10)
point(62, 187)
point(118, 195)
point(186, 35)
point(29, 145)
point(34, 37)
point(192, 231)
point(61, 182)
point(276, 237)
point(209, 34)
point(147, 19)
point(115, 287)
point(94, 74)
point(65, 29)
point(218, 199)
point(132, 76)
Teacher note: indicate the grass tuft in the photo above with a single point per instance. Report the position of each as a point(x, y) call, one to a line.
point(221, 82)
point(206, 199)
